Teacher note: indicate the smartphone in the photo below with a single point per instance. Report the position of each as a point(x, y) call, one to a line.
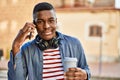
point(30, 35)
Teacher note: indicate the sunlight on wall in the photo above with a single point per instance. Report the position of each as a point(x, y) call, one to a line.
point(14, 2)
point(3, 25)
point(3, 3)
point(13, 25)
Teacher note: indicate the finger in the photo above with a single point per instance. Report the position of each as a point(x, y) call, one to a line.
point(65, 74)
point(78, 69)
point(69, 73)
point(72, 69)
point(29, 36)
point(74, 74)
point(28, 26)
point(32, 26)
point(78, 78)
point(81, 73)
point(69, 78)
point(77, 74)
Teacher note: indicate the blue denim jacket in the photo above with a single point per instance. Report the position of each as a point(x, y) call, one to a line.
point(28, 63)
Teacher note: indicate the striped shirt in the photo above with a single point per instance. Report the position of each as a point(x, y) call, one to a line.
point(52, 65)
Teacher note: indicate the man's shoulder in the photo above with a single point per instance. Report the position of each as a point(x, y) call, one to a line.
point(28, 44)
point(68, 37)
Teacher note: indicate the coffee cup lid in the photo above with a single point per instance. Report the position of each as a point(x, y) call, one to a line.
point(70, 59)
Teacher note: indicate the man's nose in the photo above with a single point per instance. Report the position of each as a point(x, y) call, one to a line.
point(47, 25)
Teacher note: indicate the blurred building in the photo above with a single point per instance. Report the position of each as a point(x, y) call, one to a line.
point(95, 22)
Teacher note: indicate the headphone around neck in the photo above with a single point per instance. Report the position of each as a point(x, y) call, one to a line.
point(43, 44)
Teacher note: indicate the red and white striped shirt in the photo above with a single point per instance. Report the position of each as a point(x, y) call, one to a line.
point(52, 65)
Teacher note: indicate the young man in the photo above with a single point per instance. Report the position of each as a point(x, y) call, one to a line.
point(42, 58)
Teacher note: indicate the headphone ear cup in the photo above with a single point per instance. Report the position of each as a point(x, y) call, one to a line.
point(43, 44)
point(54, 43)
point(46, 44)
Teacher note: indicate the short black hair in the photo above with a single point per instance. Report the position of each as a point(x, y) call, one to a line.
point(42, 6)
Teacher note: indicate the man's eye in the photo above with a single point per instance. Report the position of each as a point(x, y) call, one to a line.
point(52, 21)
point(40, 22)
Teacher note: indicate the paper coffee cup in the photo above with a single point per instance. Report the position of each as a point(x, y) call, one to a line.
point(69, 63)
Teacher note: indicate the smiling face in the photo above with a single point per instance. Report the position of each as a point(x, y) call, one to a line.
point(46, 23)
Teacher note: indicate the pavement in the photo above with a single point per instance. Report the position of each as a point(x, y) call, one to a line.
point(104, 70)
point(3, 74)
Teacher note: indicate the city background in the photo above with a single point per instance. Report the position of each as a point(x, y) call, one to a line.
point(96, 23)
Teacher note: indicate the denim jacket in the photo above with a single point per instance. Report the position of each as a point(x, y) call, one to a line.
point(28, 63)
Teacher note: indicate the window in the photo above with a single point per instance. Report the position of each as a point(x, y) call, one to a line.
point(95, 31)
point(85, 3)
point(104, 3)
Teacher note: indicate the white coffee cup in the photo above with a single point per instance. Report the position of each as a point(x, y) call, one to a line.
point(69, 62)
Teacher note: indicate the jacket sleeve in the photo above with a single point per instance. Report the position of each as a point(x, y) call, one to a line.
point(82, 62)
point(16, 69)
point(79, 53)
point(72, 47)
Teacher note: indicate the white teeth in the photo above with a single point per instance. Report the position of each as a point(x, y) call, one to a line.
point(47, 33)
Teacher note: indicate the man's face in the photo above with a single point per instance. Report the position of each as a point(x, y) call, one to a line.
point(46, 23)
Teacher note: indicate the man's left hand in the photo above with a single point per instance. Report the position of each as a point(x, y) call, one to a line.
point(75, 74)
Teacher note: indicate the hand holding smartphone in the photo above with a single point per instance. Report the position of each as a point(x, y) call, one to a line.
point(30, 34)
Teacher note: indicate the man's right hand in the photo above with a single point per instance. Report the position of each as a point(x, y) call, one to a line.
point(22, 36)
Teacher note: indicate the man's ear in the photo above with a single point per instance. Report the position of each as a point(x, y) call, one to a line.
point(56, 20)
